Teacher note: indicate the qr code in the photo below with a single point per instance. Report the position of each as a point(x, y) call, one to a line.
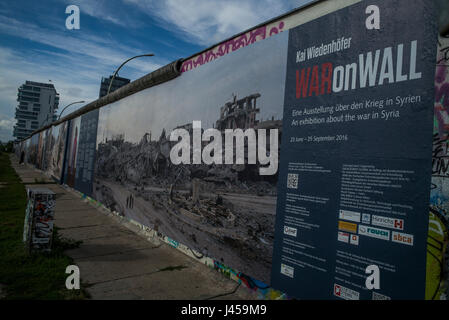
point(292, 181)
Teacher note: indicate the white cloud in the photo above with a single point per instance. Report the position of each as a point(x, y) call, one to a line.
point(198, 21)
point(6, 128)
point(6, 123)
point(108, 10)
point(209, 22)
point(74, 62)
point(104, 50)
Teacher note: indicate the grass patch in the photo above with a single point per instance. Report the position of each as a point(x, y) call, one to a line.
point(35, 276)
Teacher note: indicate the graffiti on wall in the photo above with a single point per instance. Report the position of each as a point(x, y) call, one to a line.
point(39, 219)
point(440, 160)
point(232, 45)
point(437, 242)
point(263, 32)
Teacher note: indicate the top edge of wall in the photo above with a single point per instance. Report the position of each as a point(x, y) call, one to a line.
point(163, 74)
point(275, 19)
point(291, 19)
point(286, 21)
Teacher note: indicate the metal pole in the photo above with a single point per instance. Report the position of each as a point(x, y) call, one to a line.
point(116, 71)
point(69, 106)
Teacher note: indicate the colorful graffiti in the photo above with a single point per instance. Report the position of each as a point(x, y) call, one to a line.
point(232, 45)
point(38, 228)
point(437, 249)
point(437, 245)
point(261, 33)
point(263, 290)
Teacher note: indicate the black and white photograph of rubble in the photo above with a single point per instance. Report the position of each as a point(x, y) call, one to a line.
point(57, 146)
point(226, 212)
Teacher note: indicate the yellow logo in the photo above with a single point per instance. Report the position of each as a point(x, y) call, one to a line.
point(347, 226)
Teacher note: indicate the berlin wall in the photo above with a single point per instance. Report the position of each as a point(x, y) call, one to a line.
point(362, 117)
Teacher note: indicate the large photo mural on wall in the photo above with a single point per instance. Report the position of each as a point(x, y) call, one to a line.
point(57, 149)
point(40, 149)
point(48, 145)
point(79, 167)
point(222, 211)
point(86, 152)
point(72, 152)
point(31, 150)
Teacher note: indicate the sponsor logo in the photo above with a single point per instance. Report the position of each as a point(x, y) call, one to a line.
point(388, 222)
point(354, 239)
point(346, 226)
point(287, 270)
point(374, 232)
point(366, 218)
point(350, 215)
point(290, 231)
point(378, 296)
point(337, 290)
point(343, 236)
point(398, 224)
point(345, 293)
point(403, 238)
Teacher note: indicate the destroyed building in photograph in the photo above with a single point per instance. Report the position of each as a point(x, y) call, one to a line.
point(223, 211)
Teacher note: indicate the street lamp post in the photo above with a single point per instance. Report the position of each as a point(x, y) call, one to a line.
point(116, 71)
point(69, 106)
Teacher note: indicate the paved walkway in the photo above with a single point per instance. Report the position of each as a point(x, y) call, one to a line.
point(118, 263)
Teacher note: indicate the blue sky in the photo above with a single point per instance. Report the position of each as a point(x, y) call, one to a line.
point(35, 44)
